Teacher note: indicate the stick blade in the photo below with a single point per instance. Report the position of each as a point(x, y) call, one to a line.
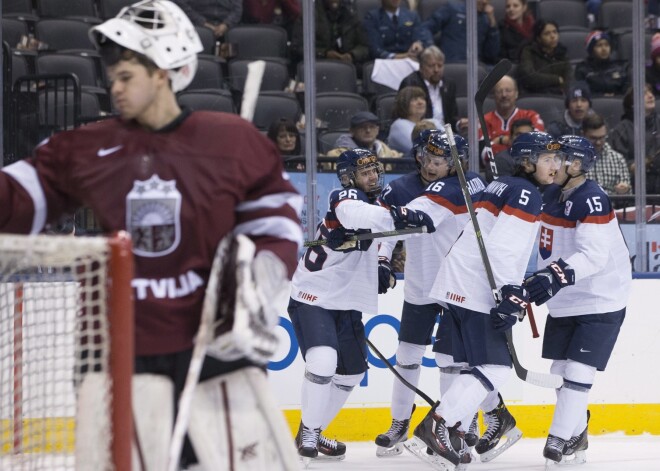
point(494, 76)
point(544, 380)
point(251, 89)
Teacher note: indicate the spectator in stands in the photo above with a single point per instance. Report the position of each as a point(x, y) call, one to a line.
point(394, 32)
point(516, 29)
point(653, 67)
point(440, 93)
point(339, 34)
point(506, 111)
point(409, 109)
point(622, 138)
point(284, 133)
point(363, 133)
point(449, 20)
point(611, 169)
point(503, 160)
point(282, 13)
point(544, 65)
point(578, 107)
point(217, 15)
point(604, 75)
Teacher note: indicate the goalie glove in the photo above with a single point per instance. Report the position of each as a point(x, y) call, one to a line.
point(544, 284)
point(512, 307)
point(405, 218)
point(250, 292)
point(386, 278)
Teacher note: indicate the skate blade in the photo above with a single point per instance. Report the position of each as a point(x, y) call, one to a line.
point(577, 458)
point(512, 436)
point(384, 452)
point(305, 461)
point(417, 447)
point(322, 457)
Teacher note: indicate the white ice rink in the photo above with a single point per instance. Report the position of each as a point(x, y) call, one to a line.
point(615, 452)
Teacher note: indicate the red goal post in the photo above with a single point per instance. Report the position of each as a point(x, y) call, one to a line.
point(66, 352)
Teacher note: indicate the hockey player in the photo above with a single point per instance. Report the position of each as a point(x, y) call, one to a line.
point(331, 289)
point(441, 198)
point(178, 182)
point(582, 250)
point(508, 216)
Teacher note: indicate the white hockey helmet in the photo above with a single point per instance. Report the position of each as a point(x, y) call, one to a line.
point(159, 30)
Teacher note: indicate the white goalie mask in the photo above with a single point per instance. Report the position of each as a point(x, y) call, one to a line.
point(159, 30)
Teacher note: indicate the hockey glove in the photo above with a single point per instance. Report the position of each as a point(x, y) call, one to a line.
point(544, 284)
point(405, 218)
point(512, 307)
point(386, 279)
point(340, 240)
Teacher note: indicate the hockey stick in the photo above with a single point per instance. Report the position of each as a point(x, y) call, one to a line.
point(495, 75)
point(251, 89)
point(544, 380)
point(405, 382)
point(372, 235)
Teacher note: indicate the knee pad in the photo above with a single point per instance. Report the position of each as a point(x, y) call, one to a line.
point(494, 375)
point(321, 362)
point(446, 364)
point(409, 355)
point(347, 382)
point(578, 376)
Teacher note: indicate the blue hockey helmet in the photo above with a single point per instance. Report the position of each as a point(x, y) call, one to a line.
point(421, 140)
point(578, 147)
point(351, 161)
point(438, 146)
point(530, 145)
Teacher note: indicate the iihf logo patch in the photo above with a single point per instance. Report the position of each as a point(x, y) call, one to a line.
point(545, 242)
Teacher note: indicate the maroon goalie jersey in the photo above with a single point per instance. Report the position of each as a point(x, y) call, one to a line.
point(177, 191)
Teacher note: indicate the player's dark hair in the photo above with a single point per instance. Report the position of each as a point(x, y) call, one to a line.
point(592, 122)
point(112, 53)
point(518, 123)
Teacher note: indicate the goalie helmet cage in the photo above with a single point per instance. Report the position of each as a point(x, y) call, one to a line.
point(66, 352)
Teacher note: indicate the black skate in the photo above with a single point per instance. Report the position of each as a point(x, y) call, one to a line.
point(331, 449)
point(445, 443)
point(472, 435)
point(553, 450)
point(307, 441)
point(499, 424)
point(390, 443)
point(574, 450)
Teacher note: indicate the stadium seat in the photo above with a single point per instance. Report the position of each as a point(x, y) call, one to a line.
point(551, 108)
point(258, 41)
point(66, 8)
point(574, 40)
point(369, 87)
point(624, 46)
point(209, 73)
point(60, 107)
point(335, 109)
point(12, 31)
point(616, 16)
point(610, 108)
point(208, 39)
point(563, 12)
point(462, 104)
point(207, 100)
point(17, 6)
point(274, 105)
point(327, 139)
point(384, 105)
point(457, 72)
point(332, 76)
point(61, 33)
point(276, 75)
point(110, 8)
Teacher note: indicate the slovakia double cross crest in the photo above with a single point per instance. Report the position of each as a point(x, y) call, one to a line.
point(153, 216)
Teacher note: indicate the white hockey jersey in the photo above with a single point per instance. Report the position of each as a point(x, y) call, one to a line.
point(508, 215)
point(343, 280)
point(584, 232)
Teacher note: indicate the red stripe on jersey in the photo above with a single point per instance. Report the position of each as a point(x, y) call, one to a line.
point(445, 203)
point(331, 224)
point(519, 213)
point(488, 206)
point(603, 219)
point(555, 221)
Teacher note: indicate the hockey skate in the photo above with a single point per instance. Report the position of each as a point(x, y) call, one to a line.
point(553, 451)
point(445, 443)
point(390, 443)
point(499, 424)
point(327, 449)
point(472, 435)
point(574, 450)
point(307, 441)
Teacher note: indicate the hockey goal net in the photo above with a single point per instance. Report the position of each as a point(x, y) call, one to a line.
point(66, 353)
